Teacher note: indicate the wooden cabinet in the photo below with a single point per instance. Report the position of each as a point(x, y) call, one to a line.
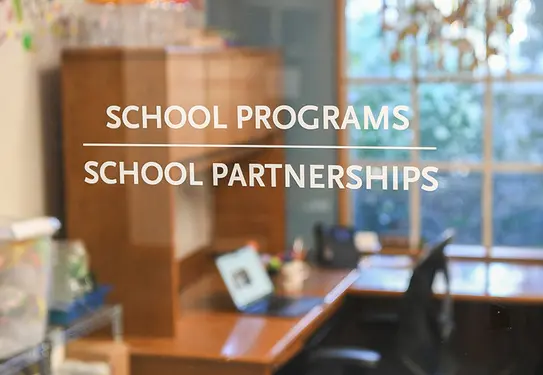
point(129, 228)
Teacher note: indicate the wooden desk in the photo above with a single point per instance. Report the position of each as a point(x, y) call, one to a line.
point(213, 339)
point(503, 282)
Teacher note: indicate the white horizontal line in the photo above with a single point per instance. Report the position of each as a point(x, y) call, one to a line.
point(294, 147)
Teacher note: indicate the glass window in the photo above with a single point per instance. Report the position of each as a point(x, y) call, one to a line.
point(486, 124)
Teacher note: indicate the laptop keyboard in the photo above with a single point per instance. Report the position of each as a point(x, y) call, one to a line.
point(284, 306)
point(279, 303)
point(292, 306)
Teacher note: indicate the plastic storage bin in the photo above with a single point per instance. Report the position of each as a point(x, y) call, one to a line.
point(25, 267)
point(70, 273)
point(79, 308)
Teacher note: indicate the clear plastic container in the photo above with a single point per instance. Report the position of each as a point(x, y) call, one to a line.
point(160, 23)
point(100, 25)
point(70, 271)
point(155, 23)
point(133, 20)
point(170, 23)
point(25, 273)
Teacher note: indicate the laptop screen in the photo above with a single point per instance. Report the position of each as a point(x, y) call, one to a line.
point(245, 276)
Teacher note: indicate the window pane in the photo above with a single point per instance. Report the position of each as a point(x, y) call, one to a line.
point(451, 119)
point(377, 96)
point(368, 51)
point(518, 210)
point(520, 52)
point(441, 57)
point(525, 45)
point(455, 204)
point(518, 122)
point(382, 211)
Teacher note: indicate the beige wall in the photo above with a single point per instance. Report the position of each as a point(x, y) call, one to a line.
point(24, 76)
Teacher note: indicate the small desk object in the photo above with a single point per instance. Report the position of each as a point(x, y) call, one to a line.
point(336, 246)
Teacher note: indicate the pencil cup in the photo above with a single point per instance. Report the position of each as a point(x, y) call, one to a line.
point(294, 275)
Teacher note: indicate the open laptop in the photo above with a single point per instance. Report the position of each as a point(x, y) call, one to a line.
point(251, 288)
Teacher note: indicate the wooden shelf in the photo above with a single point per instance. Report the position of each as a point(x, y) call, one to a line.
point(130, 229)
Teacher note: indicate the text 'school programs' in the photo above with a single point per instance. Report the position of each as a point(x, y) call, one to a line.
point(309, 117)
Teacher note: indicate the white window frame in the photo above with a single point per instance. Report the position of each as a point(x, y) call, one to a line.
point(487, 167)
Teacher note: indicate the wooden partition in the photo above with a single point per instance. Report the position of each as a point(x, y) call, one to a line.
point(257, 214)
point(129, 228)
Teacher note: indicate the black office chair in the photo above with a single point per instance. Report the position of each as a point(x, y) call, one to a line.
point(539, 369)
point(422, 338)
point(335, 248)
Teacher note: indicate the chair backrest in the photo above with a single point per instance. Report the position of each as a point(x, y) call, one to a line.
point(423, 327)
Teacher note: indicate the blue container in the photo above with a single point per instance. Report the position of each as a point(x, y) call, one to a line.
point(89, 303)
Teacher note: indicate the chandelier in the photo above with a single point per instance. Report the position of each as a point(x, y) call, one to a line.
point(475, 29)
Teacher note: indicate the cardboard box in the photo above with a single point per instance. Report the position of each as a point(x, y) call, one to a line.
point(116, 354)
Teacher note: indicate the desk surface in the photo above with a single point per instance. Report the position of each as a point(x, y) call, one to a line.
point(470, 280)
point(210, 330)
